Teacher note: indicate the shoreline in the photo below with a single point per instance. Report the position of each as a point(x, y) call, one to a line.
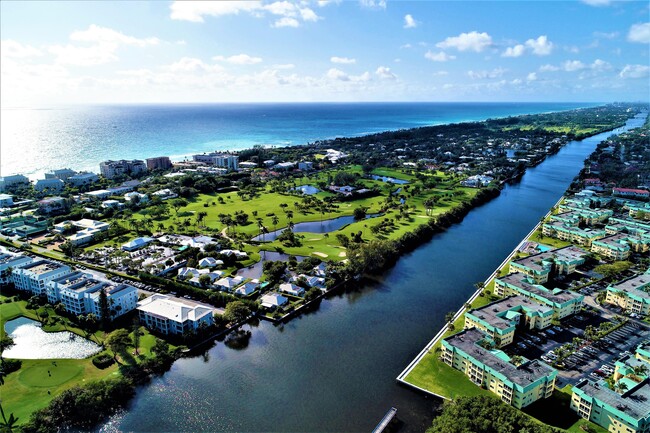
point(224, 147)
point(401, 378)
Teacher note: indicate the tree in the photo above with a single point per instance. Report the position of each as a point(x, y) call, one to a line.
point(136, 335)
point(275, 220)
point(6, 343)
point(359, 213)
point(104, 308)
point(177, 203)
point(117, 341)
point(204, 280)
point(236, 312)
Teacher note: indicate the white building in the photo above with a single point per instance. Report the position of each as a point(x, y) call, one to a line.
point(8, 181)
point(165, 194)
point(83, 178)
point(86, 229)
point(80, 293)
point(273, 300)
point(6, 200)
point(63, 174)
point(110, 169)
point(99, 194)
point(137, 243)
point(247, 288)
point(141, 198)
point(52, 185)
point(51, 205)
point(228, 284)
point(9, 261)
point(209, 262)
point(33, 277)
point(112, 204)
point(224, 160)
point(292, 289)
point(170, 315)
point(306, 165)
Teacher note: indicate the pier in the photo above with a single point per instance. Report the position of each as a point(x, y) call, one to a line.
point(385, 421)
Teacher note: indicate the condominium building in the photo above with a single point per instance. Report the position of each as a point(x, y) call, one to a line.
point(517, 385)
point(159, 163)
point(9, 181)
point(9, 262)
point(85, 230)
point(615, 247)
point(564, 303)
point(51, 185)
point(52, 205)
point(540, 267)
point(632, 294)
point(34, 276)
point(110, 169)
point(63, 174)
point(628, 412)
point(501, 319)
point(572, 233)
point(224, 160)
point(80, 293)
point(170, 315)
point(82, 178)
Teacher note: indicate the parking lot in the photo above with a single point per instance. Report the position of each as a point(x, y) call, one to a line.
point(592, 361)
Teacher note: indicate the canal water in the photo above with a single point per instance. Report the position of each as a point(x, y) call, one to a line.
point(335, 369)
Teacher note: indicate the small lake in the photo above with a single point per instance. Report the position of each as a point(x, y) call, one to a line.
point(325, 226)
point(307, 189)
point(31, 342)
point(390, 179)
point(256, 270)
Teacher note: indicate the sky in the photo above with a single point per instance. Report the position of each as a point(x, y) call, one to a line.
point(309, 51)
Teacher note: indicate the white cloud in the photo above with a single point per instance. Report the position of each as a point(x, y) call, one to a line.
point(195, 10)
point(516, 51)
point(11, 48)
point(548, 68)
point(600, 65)
point(337, 74)
point(573, 65)
point(439, 57)
point(104, 44)
point(597, 2)
point(343, 60)
point(516, 81)
point(406, 46)
point(284, 66)
point(635, 71)
point(606, 35)
point(286, 22)
point(532, 76)
point(104, 35)
point(472, 41)
point(289, 12)
point(373, 4)
point(639, 33)
point(540, 46)
point(384, 73)
point(440, 73)
point(191, 64)
point(409, 22)
point(239, 59)
point(480, 75)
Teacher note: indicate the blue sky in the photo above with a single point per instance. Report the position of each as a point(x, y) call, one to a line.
point(368, 50)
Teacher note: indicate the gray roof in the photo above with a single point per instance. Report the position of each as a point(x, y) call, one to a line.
point(634, 402)
point(491, 313)
point(524, 375)
point(557, 296)
point(569, 253)
point(638, 285)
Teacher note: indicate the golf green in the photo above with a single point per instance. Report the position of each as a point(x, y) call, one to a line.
point(48, 375)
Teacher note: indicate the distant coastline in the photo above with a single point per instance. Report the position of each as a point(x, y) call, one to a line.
point(79, 137)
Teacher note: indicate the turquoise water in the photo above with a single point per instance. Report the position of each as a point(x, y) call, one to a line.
point(80, 137)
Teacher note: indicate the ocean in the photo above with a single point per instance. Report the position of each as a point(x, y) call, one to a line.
point(34, 141)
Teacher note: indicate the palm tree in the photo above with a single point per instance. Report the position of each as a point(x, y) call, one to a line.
point(275, 220)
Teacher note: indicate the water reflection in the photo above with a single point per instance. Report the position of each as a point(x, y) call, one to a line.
point(31, 342)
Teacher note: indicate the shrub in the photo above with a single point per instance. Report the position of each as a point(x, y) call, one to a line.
point(11, 365)
point(103, 361)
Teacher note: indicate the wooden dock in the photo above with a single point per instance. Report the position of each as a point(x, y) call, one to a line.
point(385, 421)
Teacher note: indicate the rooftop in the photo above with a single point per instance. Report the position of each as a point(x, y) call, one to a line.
point(557, 296)
point(495, 312)
point(637, 285)
point(523, 375)
point(176, 309)
point(541, 261)
point(634, 403)
point(42, 266)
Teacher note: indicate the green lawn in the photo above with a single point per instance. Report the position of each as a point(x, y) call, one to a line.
point(546, 240)
point(27, 389)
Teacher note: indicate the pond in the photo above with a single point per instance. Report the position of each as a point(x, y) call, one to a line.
point(256, 270)
point(390, 179)
point(307, 189)
point(324, 226)
point(31, 342)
